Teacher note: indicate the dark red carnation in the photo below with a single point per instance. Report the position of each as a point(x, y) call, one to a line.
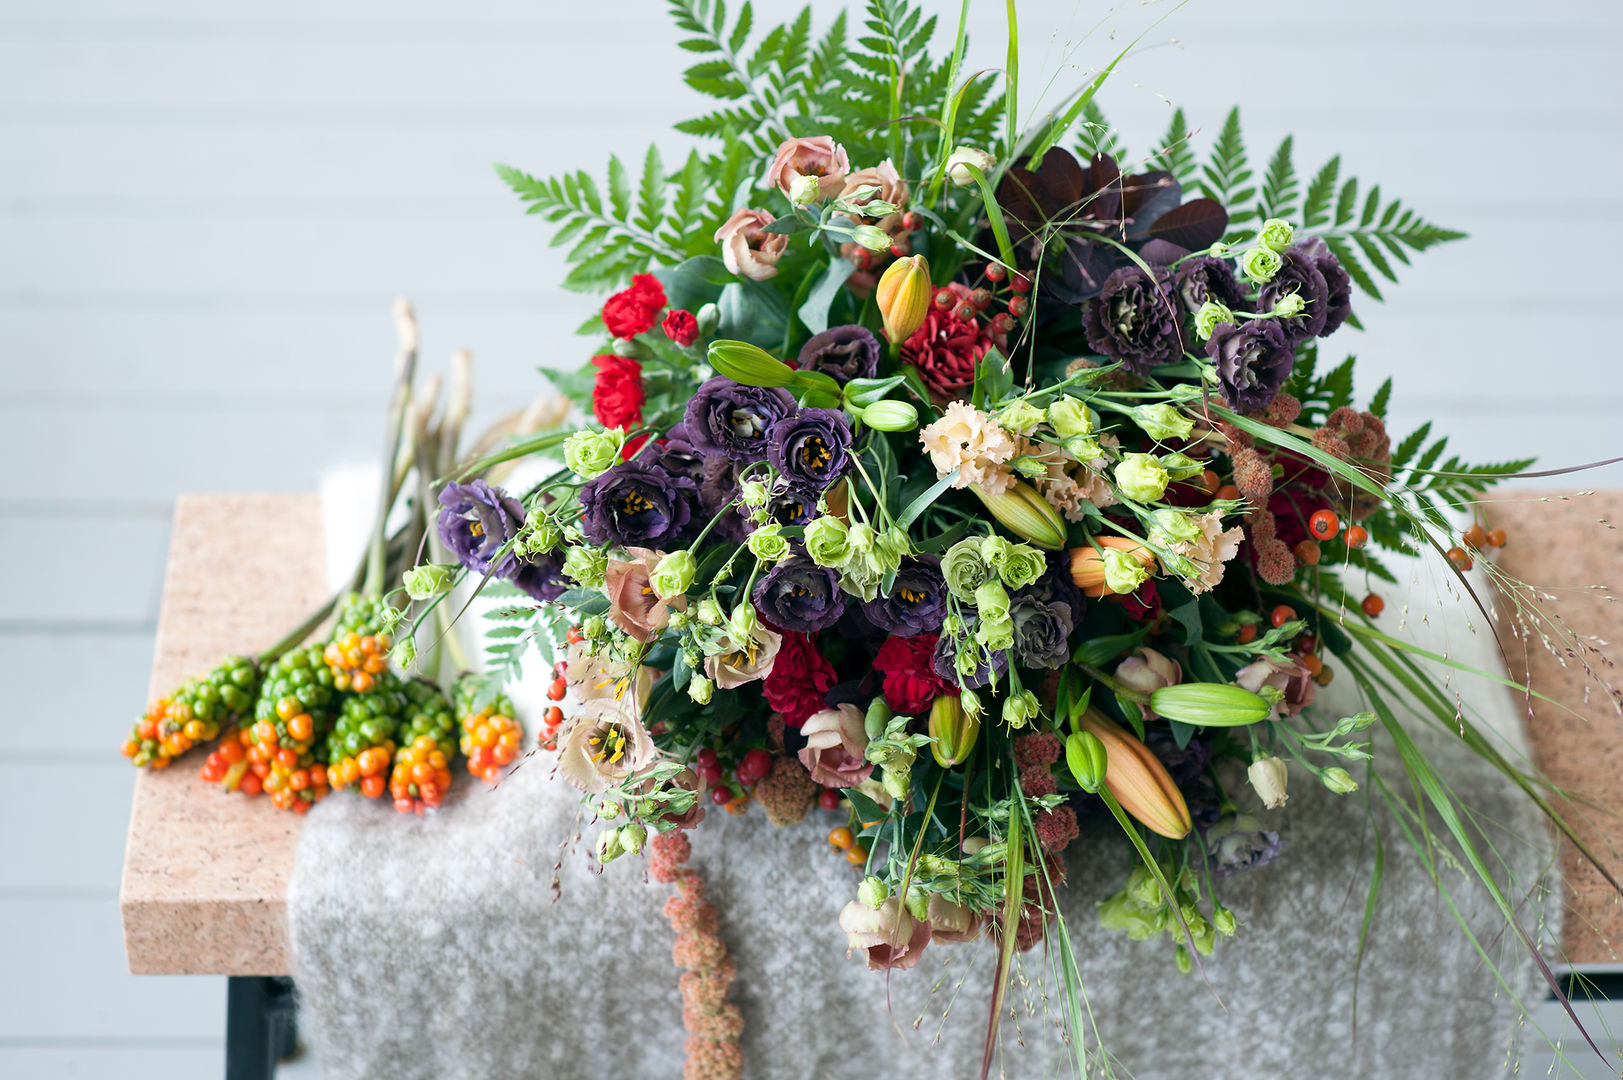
point(617, 391)
point(945, 350)
point(911, 684)
point(1143, 603)
point(632, 311)
point(681, 327)
point(798, 680)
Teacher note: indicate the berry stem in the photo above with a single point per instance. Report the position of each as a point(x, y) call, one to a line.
point(405, 368)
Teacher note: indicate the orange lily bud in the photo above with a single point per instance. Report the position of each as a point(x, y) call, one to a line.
point(1088, 563)
point(1137, 778)
point(903, 295)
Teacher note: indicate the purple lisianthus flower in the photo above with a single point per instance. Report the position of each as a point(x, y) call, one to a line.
point(1238, 843)
point(917, 602)
point(541, 577)
point(1206, 278)
point(1056, 586)
point(792, 504)
point(812, 447)
point(1135, 319)
point(731, 419)
point(799, 595)
point(943, 662)
point(718, 487)
point(476, 522)
point(1297, 274)
point(1338, 304)
point(1253, 362)
point(1042, 632)
point(842, 353)
point(678, 455)
point(635, 504)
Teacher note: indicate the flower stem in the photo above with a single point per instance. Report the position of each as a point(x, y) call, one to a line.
point(405, 368)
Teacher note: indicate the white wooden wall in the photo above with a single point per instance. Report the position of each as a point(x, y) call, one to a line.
point(206, 207)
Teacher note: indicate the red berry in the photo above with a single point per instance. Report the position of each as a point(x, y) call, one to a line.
point(1248, 633)
point(1020, 283)
point(712, 774)
point(721, 796)
point(1373, 605)
point(705, 758)
point(1018, 305)
point(964, 311)
point(828, 799)
point(901, 249)
point(1324, 525)
point(1307, 643)
point(981, 298)
point(995, 272)
point(912, 222)
point(944, 299)
point(575, 636)
point(1281, 615)
point(1002, 323)
point(1307, 553)
point(755, 766)
point(558, 689)
point(1357, 536)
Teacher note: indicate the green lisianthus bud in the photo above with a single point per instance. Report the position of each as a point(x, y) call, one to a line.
point(1162, 422)
point(594, 626)
point(591, 453)
point(742, 622)
point(1120, 913)
point(1209, 316)
point(1289, 306)
point(709, 315)
point(993, 548)
point(1020, 416)
point(1223, 919)
point(674, 574)
point(768, 543)
point(1020, 709)
point(968, 156)
point(1123, 573)
point(1083, 448)
point(871, 237)
point(700, 689)
point(1021, 565)
point(1069, 416)
point(1339, 780)
point(972, 705)
point(586, 565)
point(1218, 250)
point(873, 892)
point(1141, 477)
point(964, 569)
point(996, 630)
point(1029, 466)
point(827, 541)
point(544, 535)
point(429, 580)
point(806, 191)
point(1261, 264)
point(1276, 234)
point(889, 416)
point(404, 653)
point(1169, 526)
point(1181, 466)
point(753, 494)
point(917, 904)
point(891, 547)
point(710, 612)
point(896, 780)
point(630, 348)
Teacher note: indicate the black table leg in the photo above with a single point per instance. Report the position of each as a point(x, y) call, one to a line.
point(260, 1025)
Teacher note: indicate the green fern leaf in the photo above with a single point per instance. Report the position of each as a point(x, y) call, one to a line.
point(1226, 177)
point(1320, 192)
point(1279, 186)
point(1175, 154)
point(1378, 404)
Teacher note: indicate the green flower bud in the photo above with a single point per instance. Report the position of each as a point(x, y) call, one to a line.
point(591, 453)
point(700, 689)
point(1289, 306)
point(1083, 448)
point(1020, 416)
point(1209, 705)
point(405, 653)
point(952, 730)
point(1339, 780)
point(896, 780)
point(1026, 465)
point(1181, 466)
point(1020, 709)
point(673, 575)
point(1068, 416)
point(963, 157)
point(630, 348)
point(806, 191)
point(753, 494)
point(1123, 573)
point(1180, 956)
point(873, 892)
point(891, 547)
point(594, 626)
point(1141, 477)
point(1118, 913)
point(708, 315)
point(742, 623)
point(1223, 919)
point(429, 580)
point(1162, 422)
point(872, 238)
point(1144, 891)
point(1218, 250)
point(768, 543)
point(586, 565)
point(750, 364)
point(971, 702)
point(710, 612)
point(1168, 527)
point(992, 602)
point(544, 535)
point(889, 416)
point(1261, 264)
point(917, 904)
point(828, 541)
point(1209, 316)
point(1276, 234)
point(1087, 757)
point(993, 548)
point(876, 719)
point(964, 569)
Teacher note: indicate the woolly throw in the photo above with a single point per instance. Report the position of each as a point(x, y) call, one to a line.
point(483, 941)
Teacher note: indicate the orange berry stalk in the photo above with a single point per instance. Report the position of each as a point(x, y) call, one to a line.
point(491, 736)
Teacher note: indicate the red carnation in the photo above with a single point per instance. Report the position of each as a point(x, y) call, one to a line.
point(617, 391)
point(681, 327)
point(946, 350)
point(911, 683)
point(798, 680)
point(632, 311)
point(633, 444)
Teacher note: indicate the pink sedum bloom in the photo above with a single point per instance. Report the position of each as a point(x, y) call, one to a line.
point(835, 744)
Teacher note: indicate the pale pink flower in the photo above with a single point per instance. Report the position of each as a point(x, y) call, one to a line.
point(633, 605)
point(591, 677)
point(972, 442)
point(1290, 677)
point(605, 743)
point(889, 936)
point(818, 155)
point(743, 662)
point(1215, 547)
point(835, 743)
point(952, 922)
point(746, 250)
point(1148, 671)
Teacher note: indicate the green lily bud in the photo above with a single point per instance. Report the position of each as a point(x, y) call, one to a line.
point(768, 543)
point(1209, 705)
point(1276, 234)
point(429, 580)
point(1209, 316)
point(700, 689)
point(873, 892)
point(749, 364)
point(1020, 416)
point(889, 416)
point(1027, 514)
point(1086, 755)
point(673, 575)
point(1260, 264)
point(828, 541)
point(1069, 417)
point(591, 453)
point(1020, 709)
point(1141, 477)
point(952, 730)
point(1339, 780)
point(1162, 422)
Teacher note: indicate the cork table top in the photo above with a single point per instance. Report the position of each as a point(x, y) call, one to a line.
point(206, 874)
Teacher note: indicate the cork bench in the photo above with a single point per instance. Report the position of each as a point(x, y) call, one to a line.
point(206, 875)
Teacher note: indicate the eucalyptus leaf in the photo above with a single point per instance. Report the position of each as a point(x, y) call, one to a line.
point(814, 312)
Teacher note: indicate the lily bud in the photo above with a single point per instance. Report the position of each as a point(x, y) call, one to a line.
point(1137, 778)
point(1085, 753)
point(903, 296)
point(1210, 705)
point(1027, 514)
point(1267, 776)
point(968, 155)
point(749, 364)
point(889, 416)
point(1088, 563)
point(954, 732)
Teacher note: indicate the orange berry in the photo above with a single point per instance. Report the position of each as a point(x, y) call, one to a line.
point(301, 727)
point(1324, 524)
point(554, 716)
point(251, 784)
point(1460, 558)
point(857, 855)
point(1357, 536)
point(298, 780)
point(1308, 553)
point(232, 751)
point(1313, 664)
point(372, 786)
point(1228, 493)
point(301, 806)
point(1325, 676)
point(1210, 482)
point(1373, 605)
point(1281, 615)
point(1475, 536)
point(842, 838)
point(1248, 633)
point(557, 690)
point(1496, 538)
point(287, 708)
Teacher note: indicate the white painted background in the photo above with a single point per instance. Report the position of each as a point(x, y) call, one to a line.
point(205, 209)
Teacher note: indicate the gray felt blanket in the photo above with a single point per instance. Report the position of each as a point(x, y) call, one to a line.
point(437, 947)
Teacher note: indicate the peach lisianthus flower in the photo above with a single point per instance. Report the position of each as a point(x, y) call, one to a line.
point(888, 935)
point(970, 441)
point(817, 155)
point(633, 605)
point(741, 662)
point(605, 744)
point(836, 741)
point(1215, 547)
point(591, 677)
point(748, 251)
point(951, 922)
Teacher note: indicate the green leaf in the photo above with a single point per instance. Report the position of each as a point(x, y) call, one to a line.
point(1316, 207)
point(1279, 186)
point(1174, 154)
point(924, 501)
point(1226, 177)
point(814, 310)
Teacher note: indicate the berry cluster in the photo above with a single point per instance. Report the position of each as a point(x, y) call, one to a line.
point(491, 736)
point(194, 713)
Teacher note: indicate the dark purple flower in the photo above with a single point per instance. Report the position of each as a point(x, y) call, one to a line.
point(1042, 632)
point(678, 455)
point(542, 576)
point(477, 522)
point(946, 653)
point(731, 419)
point(1297, 274)
point(791, 504)
point(1338, 305)
point(1206, 278)
point(635, 504)
point(1135, 319)
point(1056, 586)
point(917, 602)
point(1253, 362)
point(799, 595)
point(811, 447)
point(1239, 843)
point(842, 353)
point(718, 487)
